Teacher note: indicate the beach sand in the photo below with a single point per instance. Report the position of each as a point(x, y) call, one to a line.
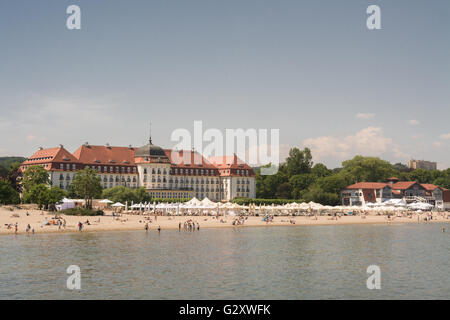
point(137, 222)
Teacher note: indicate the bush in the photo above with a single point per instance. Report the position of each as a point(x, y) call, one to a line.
point(82, 212)
point(267, 202)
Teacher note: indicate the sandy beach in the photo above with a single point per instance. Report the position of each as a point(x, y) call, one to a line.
point(35, 218)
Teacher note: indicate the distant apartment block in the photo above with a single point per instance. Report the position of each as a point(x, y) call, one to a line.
point(422, 164)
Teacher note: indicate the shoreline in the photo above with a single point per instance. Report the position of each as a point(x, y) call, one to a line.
point(137, 223)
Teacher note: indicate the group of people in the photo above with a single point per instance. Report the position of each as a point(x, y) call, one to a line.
point(239, 221)
point(189, 225)
point(147, 228)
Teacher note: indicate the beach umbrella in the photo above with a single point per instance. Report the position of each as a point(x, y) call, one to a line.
point(105, 201)
point(117, 205)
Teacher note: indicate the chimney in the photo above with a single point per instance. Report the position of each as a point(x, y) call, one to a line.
point(40, 148)
point(61, 146)
point(108, 146)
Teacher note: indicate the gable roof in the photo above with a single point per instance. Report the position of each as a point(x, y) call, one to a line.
point(51, 155)
point(227, 163)
point(368, 185)
point(188, 159)
point(430, 187)
point(105, 155)
point(403, 185)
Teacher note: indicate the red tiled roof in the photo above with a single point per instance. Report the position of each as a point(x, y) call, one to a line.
point(429, 186)
point(403, 185)
point(124, 156)
point(104, 155)
point(188, 159)
point(228, 164)
point(50, 155)
point(368, 185)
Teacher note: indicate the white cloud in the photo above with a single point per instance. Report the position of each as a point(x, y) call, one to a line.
point(253, 152)
point(368, 142)
point(413, 122)
point(437, 144)
point(30, 137)
point(445, 136)
point(365, 116)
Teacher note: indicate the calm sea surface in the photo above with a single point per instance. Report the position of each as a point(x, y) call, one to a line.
point(304, 262)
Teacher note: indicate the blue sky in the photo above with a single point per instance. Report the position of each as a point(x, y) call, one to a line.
point(310, 68)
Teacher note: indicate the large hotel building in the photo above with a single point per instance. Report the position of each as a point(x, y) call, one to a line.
point(219, 178)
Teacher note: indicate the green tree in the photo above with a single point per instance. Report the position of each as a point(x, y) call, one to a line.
point(335, 183)
point(33, 176)
point(316, 194)
point(87, 185)
point(119, 194)
point(298, 162)
point(421, 176)
point(284, 191)
point(38, 194)
point(55, 195)
point(300, 183)
point(14, 176)
point(320, 170)
point(142, 195)
point(368, 169)
point(7, 193)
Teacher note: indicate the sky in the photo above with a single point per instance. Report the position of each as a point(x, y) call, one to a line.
point(311, 69)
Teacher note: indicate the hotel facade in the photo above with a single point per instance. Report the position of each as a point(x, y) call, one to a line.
point(164, 173)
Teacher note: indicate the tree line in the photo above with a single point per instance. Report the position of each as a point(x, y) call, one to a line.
point(300, 179)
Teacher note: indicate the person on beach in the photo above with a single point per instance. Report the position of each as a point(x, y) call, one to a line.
point(179, 226)
point(198, 226)
point(80, 226)
point(28, 228)
point(146, 227)
point(159, 229)
point(16, 228)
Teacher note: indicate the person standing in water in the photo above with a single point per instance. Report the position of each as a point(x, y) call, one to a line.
point(159, 229)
